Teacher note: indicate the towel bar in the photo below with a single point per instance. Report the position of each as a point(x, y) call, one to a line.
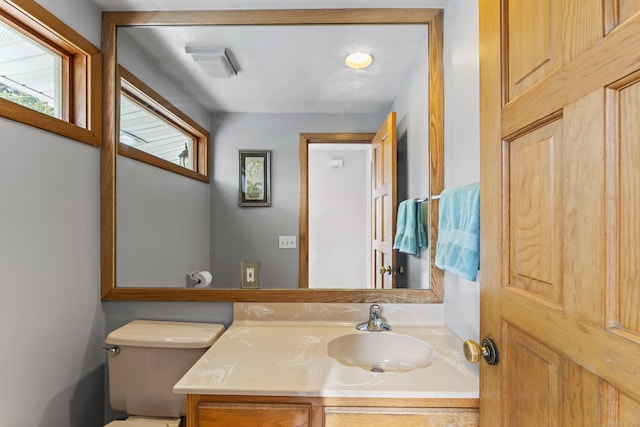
point(435, 197)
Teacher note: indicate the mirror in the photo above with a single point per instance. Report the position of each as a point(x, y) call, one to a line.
point(111, 23)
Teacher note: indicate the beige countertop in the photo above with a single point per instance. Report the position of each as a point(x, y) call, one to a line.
point(261, 354)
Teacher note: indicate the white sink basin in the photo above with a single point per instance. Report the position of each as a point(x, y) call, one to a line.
point(381, 351)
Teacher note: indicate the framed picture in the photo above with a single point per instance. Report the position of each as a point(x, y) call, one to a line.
point(255, 178)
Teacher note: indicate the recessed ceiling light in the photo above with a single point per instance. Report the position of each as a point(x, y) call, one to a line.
point(358, 60)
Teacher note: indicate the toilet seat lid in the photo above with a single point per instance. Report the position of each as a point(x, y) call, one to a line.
point(165, 334)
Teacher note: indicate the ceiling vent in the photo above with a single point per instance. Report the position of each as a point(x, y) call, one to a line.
point(215, 62)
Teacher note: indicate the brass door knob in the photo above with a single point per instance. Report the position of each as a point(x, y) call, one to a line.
point(473, 351)
point(384, 269)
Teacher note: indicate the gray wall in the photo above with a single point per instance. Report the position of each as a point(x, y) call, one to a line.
point(162, 231)
point(51, 319)
point(251, 234)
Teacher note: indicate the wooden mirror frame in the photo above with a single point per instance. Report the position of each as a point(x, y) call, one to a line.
point(110, 23)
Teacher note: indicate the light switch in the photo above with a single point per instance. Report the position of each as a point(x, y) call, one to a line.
point(287, 242)
point(336, 163)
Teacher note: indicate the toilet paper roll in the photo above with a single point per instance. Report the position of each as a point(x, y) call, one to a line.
point(204, 279)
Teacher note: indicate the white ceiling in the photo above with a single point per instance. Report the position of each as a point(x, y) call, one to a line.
point(285, 69)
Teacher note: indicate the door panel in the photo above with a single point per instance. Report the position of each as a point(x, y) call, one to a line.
point(560, 213)
point(629, 411)
point(533, 381)
point(629, 172)
point(545, 34)
point(627, 8)
point(582, 396)
point(547, 389)
point(533, 239)
point(581, 26)
point(583, 218)
point(533, 43)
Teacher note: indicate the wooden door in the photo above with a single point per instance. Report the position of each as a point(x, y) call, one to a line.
point(383, 199)
point(560, 211)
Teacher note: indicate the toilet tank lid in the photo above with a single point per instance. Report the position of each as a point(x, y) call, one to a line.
point(164, 334)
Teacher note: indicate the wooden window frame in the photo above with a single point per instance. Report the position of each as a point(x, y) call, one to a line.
point(81, 118)
point(166, 111)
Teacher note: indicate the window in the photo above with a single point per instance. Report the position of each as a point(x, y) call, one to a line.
point(142, 129)
point(47, 71)
point(30, 74)
point(155, 132)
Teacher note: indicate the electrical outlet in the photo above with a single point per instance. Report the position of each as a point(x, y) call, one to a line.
point(250, 274)
point(287, 242)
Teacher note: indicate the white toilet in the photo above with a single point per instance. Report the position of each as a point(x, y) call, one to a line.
point(146, 359)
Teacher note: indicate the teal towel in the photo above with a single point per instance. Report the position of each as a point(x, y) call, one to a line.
point(410, 237)
point(458, 246)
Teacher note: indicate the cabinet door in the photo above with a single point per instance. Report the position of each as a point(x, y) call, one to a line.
point(253, 414)
point(401, 417)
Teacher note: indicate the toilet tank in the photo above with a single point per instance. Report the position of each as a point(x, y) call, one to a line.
point(152, 357)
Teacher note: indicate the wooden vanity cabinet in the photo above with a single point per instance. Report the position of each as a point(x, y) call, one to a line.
point(275, 411)
point(253, 414)
point(406, 417)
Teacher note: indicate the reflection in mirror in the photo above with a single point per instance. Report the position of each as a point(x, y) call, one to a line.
point(256, 235)
point(162, 207)
point(335, 256)
point(338, 215)
point(142, 129)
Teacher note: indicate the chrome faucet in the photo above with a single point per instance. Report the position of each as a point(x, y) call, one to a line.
point(375, 322)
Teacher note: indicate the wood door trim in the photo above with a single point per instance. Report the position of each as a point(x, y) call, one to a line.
point(436, 145)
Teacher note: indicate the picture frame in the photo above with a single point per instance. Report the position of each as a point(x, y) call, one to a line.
point(255, 178)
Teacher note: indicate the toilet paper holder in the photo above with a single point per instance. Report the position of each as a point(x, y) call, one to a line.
point(200, 279)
